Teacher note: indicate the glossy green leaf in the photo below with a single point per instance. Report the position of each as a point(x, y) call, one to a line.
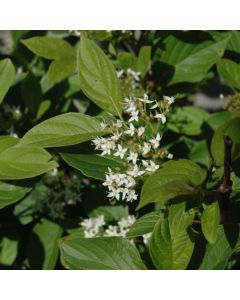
point(7, 73)
point(102, 253)
point(234, 41)
point(11, 193)
point(49, 47)
point(126, 60)
point(171, 246)
point(24, 162)
point(8, 246)
point(144, 224)
point(231, 129)
point(191, 61)
point(210, 221)
point(43, 245)
point(61, 68)
point(187, 120)
point(217, 119)
point(63, 130)
point(175, 178)
point(230, 72)
point(7, 142)
point(31, 93)
point(143, 60)
point(98, 78)
point(217, 254)
point(92, 165)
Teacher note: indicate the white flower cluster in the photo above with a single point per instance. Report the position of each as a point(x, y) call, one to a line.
point(132, 76)
point(136, 142)
point(94, 227)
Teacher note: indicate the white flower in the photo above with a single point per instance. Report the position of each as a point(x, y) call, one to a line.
point(154, 105)
point(146, 237)
point(131, 130)
point(90, 233)
point(135, 75)
point(132, 157)
point(170, 156)
point(131, 196)
point(140, 131)
point(134, 115)
point(53, 172)
point(118, 124)
point(135, 171)
point(155, 142)
point(120, 152)
point(146, 148)
point(145, 99)
point(111, 231)
point(126, 222)
point(116, 136)
point(116, 194)
point(161, 117)
point(103, 125)
point(169, 100)
point(120, 73)
point(150, 166)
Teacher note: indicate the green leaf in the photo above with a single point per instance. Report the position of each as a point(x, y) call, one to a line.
point(43, 108)
point(61, 68)
point(43, 245)
point(144, 224)
point(126, 60)
point(171, 247)
point(187, 120)
point(231, 129)
point(230, 72)
point(210, 221)
point(98, 78)
point(8, 247)
point(144, 59)
point(111, 213)
point(175, 178)
point(217, 254)
point(63, 130)
point(49, 47)
point(92, 165)
point(7, 73)
point(7, 142)
point(11, 193)
point(217, 119)
point(199, 153)
point(102, 253)
point(24, 162)
point(234, 41)
point(31, 93)
point(191, 61)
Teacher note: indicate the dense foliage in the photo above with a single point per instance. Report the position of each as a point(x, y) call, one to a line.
point(119, 150)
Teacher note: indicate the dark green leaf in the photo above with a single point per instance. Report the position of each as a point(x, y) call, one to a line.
point(210, 221)
point(10, 193)
point(49, 47)
point(191, 62)
point(92, 165)
point(144, 59)
point(98, 78)
point(24, 162)
point(7, 73)
point(187, 120)
point(102, 253)
point(175, 178)
point(61, 68)
point(231, 129)
point(144, 224)
point(63, 130)
point(43, 245)
point(230, 72)
point(171, 247)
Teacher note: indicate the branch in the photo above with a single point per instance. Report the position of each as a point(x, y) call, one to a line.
point(226, 186)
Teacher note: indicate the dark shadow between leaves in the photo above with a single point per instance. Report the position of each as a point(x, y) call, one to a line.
point(36, 253)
